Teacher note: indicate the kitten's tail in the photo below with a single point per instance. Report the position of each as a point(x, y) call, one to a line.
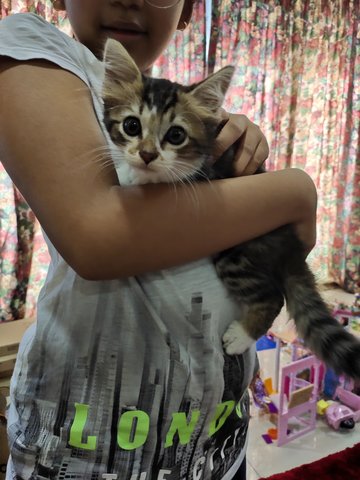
point(323, 334)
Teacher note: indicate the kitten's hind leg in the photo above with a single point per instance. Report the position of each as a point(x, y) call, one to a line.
point(256, 321)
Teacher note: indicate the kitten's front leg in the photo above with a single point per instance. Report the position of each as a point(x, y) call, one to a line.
point(236, 340)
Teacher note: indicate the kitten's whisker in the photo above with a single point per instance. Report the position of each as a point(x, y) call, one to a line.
point(191, 168)
point(102, 161)
point(199, 174)
point(103, 150)
point(187, 173)
point(102, 153)
point(168, 173)
point(202, 175)
point(186, 181)
point(105, 165)
point(190, 183)
point(191, 177)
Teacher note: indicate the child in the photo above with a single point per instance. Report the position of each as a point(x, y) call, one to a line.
point(124, 375)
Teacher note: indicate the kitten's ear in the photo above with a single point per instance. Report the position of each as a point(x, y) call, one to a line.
point(211, 91)
point(119, 66)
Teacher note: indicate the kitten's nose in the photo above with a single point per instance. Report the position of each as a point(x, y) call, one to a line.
point(148, 156)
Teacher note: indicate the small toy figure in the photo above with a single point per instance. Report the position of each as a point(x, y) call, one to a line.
point(261, 395)
point(340, 416)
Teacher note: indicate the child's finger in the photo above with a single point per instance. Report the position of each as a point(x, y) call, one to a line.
point(252, 147)
point(250, 159)
point(233, 127)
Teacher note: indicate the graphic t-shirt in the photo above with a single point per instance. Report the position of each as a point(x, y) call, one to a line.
point(127, 378)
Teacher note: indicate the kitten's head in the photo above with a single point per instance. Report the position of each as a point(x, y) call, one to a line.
point(161, 131)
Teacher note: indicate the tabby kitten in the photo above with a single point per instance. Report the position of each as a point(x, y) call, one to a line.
point(164, 132)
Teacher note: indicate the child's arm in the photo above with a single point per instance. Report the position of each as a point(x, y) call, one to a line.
point(47, 128)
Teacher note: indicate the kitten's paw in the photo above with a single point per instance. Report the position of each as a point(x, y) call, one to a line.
point(236, 340)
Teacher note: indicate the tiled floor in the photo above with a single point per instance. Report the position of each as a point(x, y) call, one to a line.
point(265, 460)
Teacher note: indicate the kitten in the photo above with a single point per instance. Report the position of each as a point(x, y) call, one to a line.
point(165, 132)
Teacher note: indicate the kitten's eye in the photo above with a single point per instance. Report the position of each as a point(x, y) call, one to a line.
point(132, 126)
point(176, 135)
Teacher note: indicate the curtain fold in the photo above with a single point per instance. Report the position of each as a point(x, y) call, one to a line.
point(297, 76)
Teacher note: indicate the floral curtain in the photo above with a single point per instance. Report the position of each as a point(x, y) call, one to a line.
point(41, 7)
point(184, 61)
point(297, 76)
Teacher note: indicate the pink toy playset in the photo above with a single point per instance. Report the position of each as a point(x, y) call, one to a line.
point(298, 399)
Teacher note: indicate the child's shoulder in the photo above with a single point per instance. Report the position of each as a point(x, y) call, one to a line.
point(27, 36)
point(28, 28)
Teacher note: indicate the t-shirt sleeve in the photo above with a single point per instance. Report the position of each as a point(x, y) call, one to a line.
point(26, 36)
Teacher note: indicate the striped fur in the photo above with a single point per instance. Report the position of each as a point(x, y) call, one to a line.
point(260, 274)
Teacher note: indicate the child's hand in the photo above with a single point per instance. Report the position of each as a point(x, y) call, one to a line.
point(252, 150)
